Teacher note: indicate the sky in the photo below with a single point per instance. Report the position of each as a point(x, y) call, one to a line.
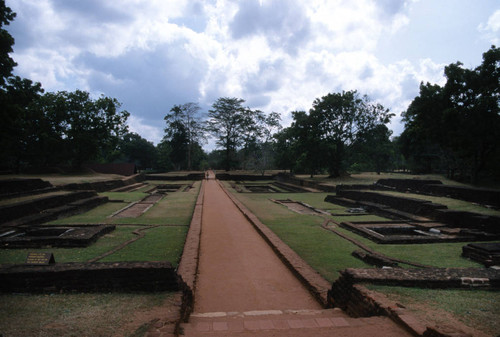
point(277, 55)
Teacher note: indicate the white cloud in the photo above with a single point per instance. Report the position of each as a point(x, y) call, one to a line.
point(278, 55)
point(139, 126)
point(491, 30)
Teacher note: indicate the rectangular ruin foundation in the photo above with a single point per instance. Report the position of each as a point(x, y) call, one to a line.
point(403, 233)
point(54, 236)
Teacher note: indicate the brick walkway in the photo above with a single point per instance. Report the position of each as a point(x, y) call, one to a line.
point(243, 288)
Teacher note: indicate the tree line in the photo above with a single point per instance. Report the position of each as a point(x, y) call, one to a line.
point(452, 129)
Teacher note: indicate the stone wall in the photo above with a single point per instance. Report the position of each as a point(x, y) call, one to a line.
point(304, 183)
point(89, 277)
point(405, 204)
point(407, 184)
point(12, 187)
point(188, 265)
point(435, 187)
point(445, 278)
point(102, 186)
point(243, 177)
point(191, 176)
point(20, 209)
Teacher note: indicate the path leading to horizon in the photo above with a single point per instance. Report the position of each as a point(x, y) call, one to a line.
point(238, 270)
point(244, 289)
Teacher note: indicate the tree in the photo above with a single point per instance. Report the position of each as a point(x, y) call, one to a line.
point(185, 129)
point(24, 132)
point(459, 122)
point(339, 119)
point(133, 148)
point(232, 125)
point(372, 151)
point(7, 64)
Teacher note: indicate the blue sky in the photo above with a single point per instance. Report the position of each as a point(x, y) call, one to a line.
point(278, 55)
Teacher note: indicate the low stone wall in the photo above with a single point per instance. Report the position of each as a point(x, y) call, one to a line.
point(438, 212)
point(89, 277)
point(470, 220)
point(445, 278)
point(191, 176)
point(102, 186)
point(407, 184)
point(20, 209)
point(486, 253)
point(188, 265)
point(410, 205)
point(358, 301)
point(243, 177)
point(12, 187)
point(477, 195)
point(304, 183)
point(435, 187)
point(55, 236)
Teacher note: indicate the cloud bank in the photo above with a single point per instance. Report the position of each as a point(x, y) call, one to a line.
point(278, 55)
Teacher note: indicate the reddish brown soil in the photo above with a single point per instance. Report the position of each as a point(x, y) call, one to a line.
point(243, 288)
point(238, 271)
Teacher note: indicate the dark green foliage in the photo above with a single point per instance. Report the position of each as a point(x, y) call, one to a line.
point(455, 128)
point(337, 125)
point(57, 129)
point(132, 148)
point(7, 64)
point(184, 133)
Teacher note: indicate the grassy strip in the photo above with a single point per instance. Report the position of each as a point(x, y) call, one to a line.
point(327, 252)
point(443, 255)
point(98, 215)
point(161, 243)
point(104, 244)
point(368, 178)
point(476, 308)
point(76, 314)
point(125, 196)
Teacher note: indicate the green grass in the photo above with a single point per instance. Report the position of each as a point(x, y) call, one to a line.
point(327, 252)
point(125, 196)
point(60, 315)
point(443, 255)
point(476, 308)
point(97, 215)
point(102, 245)
point(161, 243)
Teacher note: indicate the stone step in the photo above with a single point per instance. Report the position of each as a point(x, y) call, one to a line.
point(287, 323)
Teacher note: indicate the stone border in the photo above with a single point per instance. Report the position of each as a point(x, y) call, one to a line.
point(350, 295)
point(89, 277)
point(188, 265)
point(309, 277)
point(74, 236)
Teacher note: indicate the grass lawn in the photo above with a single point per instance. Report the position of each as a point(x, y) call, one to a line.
point(328, 253)
point(476, 308)
point(104, 244)
point(161, 243)
point(100, 314)
point(372, 177)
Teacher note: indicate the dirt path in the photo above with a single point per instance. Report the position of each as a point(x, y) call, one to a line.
point(238, 271)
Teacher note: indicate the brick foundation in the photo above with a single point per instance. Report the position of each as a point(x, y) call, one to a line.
point(89, 277)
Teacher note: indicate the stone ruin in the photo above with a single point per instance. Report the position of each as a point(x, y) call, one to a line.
point(414, 220)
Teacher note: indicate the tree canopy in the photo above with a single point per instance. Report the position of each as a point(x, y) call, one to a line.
point(455, 127)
